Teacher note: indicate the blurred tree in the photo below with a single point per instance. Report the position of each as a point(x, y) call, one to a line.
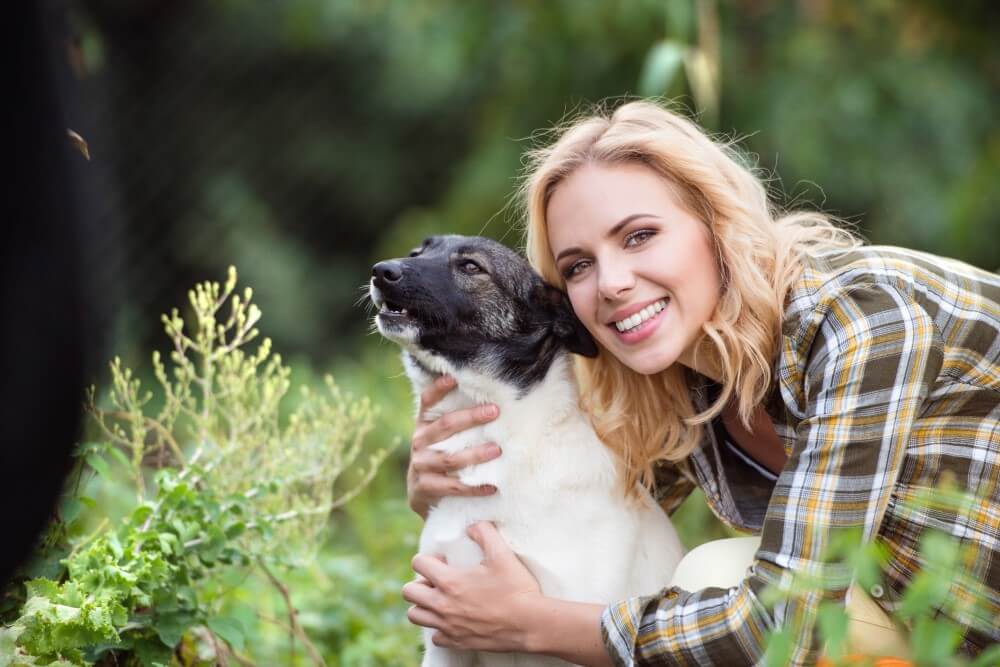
point(303, 140)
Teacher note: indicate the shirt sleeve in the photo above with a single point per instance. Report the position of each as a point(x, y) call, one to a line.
point(871, 364)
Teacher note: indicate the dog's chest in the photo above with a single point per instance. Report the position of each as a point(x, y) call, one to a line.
point(545, 450)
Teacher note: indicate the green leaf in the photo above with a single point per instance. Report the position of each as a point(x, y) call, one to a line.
point(168, 542)
point(867, 563)
point(235, 529)
point(661, 66)
point(832, 620)
point(8, 643)
point(152, 653)
point(940, 551)
point(779, 648)
point(171, 626)
point(119, 456)
point(100, 466)
point(924, 593)
point(230, 629)
point(933, 641)
point(141, 513)
point(186, 597)
point(70, 510)
point(42, 588)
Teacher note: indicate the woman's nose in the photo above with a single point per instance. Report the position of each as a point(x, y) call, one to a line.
point(614, 281)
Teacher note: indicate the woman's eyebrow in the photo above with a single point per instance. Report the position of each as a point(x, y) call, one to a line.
point(624, 221)
point(611, 232)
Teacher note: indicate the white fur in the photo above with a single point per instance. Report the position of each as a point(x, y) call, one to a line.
point(559, 504)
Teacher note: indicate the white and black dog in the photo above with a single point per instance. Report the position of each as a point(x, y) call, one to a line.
point(473, 308)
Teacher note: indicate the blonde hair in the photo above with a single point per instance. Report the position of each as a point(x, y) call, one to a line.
point(645, 419)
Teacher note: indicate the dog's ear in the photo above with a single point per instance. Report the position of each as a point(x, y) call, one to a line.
point(565, 324)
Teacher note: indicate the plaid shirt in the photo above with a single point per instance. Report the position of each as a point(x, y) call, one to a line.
point(888, 381)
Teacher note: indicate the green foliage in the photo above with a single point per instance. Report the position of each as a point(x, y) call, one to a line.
point(924, 609)
point(237, 488)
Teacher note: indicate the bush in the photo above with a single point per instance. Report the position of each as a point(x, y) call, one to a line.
point(224, 488)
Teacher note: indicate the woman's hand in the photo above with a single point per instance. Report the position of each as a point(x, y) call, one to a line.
point(481, 608)
point(427, 478)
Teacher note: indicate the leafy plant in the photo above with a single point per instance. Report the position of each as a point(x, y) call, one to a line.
point(235, 489)
point(932, 638)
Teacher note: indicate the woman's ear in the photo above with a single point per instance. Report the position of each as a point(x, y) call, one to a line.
point(565, 324)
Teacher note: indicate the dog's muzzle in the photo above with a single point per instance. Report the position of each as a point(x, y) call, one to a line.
point(386, 275)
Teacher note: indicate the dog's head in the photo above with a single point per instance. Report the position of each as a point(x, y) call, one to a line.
point(476, 303)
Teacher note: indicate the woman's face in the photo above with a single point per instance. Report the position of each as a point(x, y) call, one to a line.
point(639, 268)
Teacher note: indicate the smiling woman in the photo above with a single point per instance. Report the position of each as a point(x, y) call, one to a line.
point(804, 381)
point(647, 269)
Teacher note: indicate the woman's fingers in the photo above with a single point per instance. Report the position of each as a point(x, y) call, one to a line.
point(429, 460)
point(451, 423)
point(438, 486)
point(422, 594)
point(486, 535)
point(434, 570)
point(425, 617)
point(435, 392)
point(429, 476)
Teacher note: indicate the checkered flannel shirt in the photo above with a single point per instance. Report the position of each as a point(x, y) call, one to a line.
point(888, 381)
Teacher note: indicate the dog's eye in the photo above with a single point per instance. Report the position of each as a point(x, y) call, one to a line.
point(416, 251)
point(470, 267)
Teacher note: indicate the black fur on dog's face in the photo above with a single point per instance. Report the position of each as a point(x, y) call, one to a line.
point(476, 302)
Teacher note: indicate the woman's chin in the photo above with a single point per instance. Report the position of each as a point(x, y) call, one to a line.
point(648, 361)
point(649, 364)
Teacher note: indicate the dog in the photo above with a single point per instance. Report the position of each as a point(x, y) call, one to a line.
point(473, 308)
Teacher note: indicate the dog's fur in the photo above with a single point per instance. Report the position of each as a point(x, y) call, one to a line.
point(475, 309)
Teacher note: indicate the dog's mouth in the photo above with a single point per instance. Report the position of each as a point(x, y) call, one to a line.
point(389, 310)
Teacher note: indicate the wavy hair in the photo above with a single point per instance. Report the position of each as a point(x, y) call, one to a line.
point(645, 419)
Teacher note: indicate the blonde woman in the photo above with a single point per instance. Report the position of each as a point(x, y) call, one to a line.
point(805, 382)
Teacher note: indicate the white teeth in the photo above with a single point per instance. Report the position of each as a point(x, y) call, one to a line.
point(638, 318)
point(385, 309)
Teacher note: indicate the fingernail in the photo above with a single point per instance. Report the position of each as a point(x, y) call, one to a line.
point(489, 488)
point(492, 451)
point(489, 411)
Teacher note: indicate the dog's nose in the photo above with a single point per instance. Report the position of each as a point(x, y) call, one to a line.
point(390, 271)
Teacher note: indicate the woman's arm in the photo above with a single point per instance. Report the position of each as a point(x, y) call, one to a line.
point(498, 606)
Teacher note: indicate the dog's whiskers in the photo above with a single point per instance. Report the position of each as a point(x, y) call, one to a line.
point(365, 297)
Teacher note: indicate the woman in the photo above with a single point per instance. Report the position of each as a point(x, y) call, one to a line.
point(804, 382)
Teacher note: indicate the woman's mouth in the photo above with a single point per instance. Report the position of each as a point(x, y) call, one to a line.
point(640, 325)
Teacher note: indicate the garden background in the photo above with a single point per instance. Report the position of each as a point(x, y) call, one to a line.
point(302, 141)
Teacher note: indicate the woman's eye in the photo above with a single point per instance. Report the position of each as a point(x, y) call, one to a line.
point(468, 266)
point(638, 237)
point(575, 268)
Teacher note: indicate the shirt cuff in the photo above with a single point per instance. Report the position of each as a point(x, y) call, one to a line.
point(620, 623)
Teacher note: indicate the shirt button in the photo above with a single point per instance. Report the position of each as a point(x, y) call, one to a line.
point(876, 591)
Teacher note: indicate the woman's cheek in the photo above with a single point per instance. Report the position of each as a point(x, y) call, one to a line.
point(579, 305)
